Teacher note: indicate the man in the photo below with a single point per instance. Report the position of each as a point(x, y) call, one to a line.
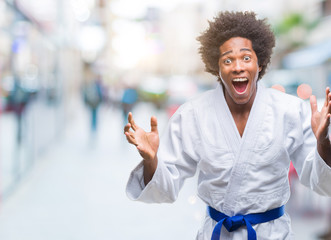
point(240, 137)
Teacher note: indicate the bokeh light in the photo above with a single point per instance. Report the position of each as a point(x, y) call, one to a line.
point(304, 91)
point(278, 87)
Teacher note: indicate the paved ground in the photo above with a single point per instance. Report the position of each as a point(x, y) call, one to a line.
point(76, 191)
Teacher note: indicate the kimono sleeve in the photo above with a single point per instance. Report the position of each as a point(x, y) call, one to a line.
point(177, 160)
point(312, 170)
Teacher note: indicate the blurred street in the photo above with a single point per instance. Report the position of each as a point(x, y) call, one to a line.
point(71, 70)
point(77, 191)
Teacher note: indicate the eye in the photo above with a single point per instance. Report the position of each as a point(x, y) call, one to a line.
point(227, 61)
point(247, 58)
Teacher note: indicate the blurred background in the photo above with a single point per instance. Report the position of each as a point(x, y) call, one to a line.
point(71, 71)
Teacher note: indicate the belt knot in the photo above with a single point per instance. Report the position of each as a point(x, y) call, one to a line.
point(233, 223)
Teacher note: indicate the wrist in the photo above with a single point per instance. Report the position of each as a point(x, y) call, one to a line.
point(150, 161)
point(324, 142)
point(149, 169)
point(324, 150)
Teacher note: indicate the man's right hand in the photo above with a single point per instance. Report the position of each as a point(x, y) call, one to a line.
point(147, 143)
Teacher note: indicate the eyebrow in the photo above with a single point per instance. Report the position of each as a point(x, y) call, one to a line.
point(241, 50)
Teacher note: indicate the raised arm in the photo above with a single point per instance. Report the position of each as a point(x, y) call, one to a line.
point(147, 143)
point(320, 123)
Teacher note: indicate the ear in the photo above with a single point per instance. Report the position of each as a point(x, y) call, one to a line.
point(260, 68)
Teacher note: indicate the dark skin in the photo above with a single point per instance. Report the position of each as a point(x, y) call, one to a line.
point(238, 63)
point(320, 123)
point(147, 144)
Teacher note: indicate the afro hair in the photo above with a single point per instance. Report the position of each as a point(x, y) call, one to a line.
point(236, 24)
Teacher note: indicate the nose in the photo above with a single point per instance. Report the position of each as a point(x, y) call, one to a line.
point(238, 66)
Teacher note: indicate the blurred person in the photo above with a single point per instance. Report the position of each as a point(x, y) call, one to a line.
point(18, 99)
point(93, 97)
point(240, 137)
point(129, 99)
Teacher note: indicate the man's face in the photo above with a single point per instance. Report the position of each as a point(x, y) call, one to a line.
point(239, 70)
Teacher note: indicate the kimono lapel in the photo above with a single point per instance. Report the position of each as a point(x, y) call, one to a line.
point(241, 146)
point(226, 120)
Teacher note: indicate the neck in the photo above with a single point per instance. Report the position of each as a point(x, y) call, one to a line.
point(239, 112)
point(239, 109)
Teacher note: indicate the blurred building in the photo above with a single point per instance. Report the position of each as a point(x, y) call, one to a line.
point(40, 67)
point(44, 46)
point(303, 53)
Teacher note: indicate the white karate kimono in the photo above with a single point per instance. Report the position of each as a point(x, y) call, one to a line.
point(237, 175)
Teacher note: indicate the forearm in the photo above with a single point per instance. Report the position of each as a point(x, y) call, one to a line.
point(324, 150)
point(149, 169)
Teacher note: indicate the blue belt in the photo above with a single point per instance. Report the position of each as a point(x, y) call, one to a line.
point(235, 222)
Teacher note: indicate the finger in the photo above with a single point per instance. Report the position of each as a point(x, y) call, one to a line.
point(328, 114)
point(313, 104)
point(131, 138)
point(127, 128)
point(326, 122)
point(130, 117)
point(328, 100)
point(327, 91)
point(131, 121)
point(154, 124)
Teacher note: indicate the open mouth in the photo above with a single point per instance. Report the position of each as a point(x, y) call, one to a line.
point(240, 84)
